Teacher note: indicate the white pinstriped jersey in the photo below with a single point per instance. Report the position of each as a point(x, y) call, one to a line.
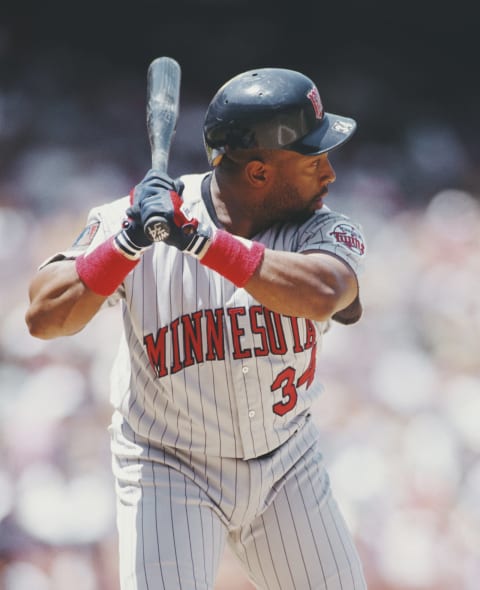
point(203, 366)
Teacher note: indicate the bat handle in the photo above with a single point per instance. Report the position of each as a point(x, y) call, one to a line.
point(157, 228)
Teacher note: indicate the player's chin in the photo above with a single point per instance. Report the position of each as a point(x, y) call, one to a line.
point(317, 203)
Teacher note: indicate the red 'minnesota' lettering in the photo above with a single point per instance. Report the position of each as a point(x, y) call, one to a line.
point(191, 335)
point(276, 337)
point(156, 351)
point(256, 310)
point(215, 341)
point(237, 333)
point(192, 338)
point(177, 363)
point(297, 347)
point(311, 334)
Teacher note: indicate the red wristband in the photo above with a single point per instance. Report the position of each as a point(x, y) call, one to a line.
point(104, 269)
point(234, 258)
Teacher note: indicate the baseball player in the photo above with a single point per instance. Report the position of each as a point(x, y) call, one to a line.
point(212, 437)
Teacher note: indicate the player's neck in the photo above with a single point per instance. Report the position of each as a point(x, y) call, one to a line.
point(232, 207)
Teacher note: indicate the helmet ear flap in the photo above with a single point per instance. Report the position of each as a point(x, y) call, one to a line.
point(216, 158)
point(214, 155)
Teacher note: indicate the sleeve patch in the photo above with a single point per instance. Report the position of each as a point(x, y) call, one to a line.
point(86, 236)
point(349, 236)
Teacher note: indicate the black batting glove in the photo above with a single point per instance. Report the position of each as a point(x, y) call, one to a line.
point(164, 217)
point(151, 194)
point(133, 228)
point(131, 240)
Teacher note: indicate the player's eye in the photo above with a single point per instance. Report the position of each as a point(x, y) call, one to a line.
point(319, 160)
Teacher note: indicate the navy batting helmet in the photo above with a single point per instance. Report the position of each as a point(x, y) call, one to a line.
point(272, 108)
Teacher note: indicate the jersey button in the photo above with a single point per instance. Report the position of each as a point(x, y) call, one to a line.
point(244, 369)
point(251, 414)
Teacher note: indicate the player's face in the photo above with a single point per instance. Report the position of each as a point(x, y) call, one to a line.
point(300, 185)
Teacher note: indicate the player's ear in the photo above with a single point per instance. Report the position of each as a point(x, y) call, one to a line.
point(257, 172)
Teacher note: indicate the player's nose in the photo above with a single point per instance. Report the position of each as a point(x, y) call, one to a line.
point(327, 171)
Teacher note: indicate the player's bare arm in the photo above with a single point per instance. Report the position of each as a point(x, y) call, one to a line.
point(60, 304)
point(312, 285)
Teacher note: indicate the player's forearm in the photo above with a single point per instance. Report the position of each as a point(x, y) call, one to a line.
point(314, 286)
point(60, 304)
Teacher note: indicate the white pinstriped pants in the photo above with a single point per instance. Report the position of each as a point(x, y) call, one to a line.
point(176, 511)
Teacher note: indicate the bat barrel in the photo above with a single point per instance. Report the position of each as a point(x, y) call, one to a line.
point(163, 98)
point(163, 91)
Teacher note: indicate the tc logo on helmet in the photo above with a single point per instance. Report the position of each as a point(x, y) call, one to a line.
point(316, 101)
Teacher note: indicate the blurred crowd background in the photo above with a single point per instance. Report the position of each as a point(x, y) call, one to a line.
point(401, 413)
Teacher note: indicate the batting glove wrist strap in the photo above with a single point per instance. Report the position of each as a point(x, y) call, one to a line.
point(130, 243)
point(105, 268)
point(233, 257)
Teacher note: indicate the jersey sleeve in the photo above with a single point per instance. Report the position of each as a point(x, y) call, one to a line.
point(101, 223)
point(335, 233)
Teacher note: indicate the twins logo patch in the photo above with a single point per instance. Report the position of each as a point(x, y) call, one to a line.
point(348, 235)
point(86, 236)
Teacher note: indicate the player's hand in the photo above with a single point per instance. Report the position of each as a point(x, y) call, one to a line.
point(143, 207)
point(133, 229)
point(158, 196)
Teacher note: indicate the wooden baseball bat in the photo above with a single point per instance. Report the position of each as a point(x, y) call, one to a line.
point(163, 98)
